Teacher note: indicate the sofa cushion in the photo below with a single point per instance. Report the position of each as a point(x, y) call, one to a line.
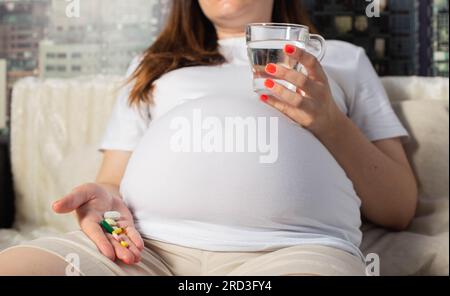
point(423, 248)
point(401, 88)
point(427, 149)
point(57, 125)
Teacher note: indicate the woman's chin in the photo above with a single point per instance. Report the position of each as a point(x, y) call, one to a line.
point(229, 11)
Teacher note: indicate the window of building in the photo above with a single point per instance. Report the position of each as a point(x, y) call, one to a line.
point(24, 45)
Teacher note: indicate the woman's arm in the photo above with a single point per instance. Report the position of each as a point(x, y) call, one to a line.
point(91, 200)
point(380, 171)
point(112, 169)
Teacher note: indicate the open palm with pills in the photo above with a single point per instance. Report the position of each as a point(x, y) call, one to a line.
point(96, 209)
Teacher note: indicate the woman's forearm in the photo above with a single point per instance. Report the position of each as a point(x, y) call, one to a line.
point(112, 189)
point(112, 170)
point(387, 188)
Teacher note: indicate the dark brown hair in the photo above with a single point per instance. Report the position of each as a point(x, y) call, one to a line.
point(189, 39)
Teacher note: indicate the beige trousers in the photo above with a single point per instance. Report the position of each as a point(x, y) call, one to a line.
point(159, 258)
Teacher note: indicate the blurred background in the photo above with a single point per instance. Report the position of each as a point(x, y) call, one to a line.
point(410, 37)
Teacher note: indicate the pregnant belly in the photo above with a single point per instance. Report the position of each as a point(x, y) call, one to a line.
point(237, 162)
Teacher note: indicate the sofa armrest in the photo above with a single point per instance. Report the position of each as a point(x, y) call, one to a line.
point(6, 186)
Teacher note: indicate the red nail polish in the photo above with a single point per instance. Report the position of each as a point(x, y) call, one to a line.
point(269, 83)
point(289, 49)
point(271, 68)
point(264, 98)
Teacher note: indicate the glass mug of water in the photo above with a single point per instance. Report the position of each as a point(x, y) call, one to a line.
point(265, 44)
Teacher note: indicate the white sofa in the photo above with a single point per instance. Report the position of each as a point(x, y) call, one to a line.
point(57, 125)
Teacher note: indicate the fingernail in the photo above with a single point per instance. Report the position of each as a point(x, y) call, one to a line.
point(264, 98)
point(269, 83)
point(271, 68)
point(289, 49)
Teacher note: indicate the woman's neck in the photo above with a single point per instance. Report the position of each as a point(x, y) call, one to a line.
point(224, 33)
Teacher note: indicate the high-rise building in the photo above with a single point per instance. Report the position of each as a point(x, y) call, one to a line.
point(440, 38)
point(103, 38)
point(390, 38)
point(64, 27)
point(22, 25)
point(410, 37)
point(68, 60)
point(3, 113)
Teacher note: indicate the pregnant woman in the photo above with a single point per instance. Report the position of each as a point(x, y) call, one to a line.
point(334, 154)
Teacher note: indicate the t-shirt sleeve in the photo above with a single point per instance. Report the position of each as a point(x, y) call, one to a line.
point(127, 124)
point(369, 105)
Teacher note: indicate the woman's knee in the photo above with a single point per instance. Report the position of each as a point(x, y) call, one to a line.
point(31, 261)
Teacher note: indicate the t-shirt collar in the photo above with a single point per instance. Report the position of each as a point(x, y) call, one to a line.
point(234, 49)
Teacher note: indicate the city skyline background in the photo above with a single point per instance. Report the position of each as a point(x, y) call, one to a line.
point(42, 38)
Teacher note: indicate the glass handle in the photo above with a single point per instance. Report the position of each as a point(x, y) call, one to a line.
point(317, 46)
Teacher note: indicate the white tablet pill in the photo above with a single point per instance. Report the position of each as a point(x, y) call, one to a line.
point(114, 215)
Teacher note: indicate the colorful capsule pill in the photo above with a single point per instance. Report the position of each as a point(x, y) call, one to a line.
point(106, 226)
point(111, 222)
point(117, 230)
point(124, 244)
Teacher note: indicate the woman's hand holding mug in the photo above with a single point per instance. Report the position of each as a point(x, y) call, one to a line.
point(312, 104)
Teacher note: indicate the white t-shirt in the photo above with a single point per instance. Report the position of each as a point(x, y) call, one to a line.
point(230, 200)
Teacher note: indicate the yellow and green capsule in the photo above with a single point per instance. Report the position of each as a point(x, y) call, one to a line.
point(108, 228)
